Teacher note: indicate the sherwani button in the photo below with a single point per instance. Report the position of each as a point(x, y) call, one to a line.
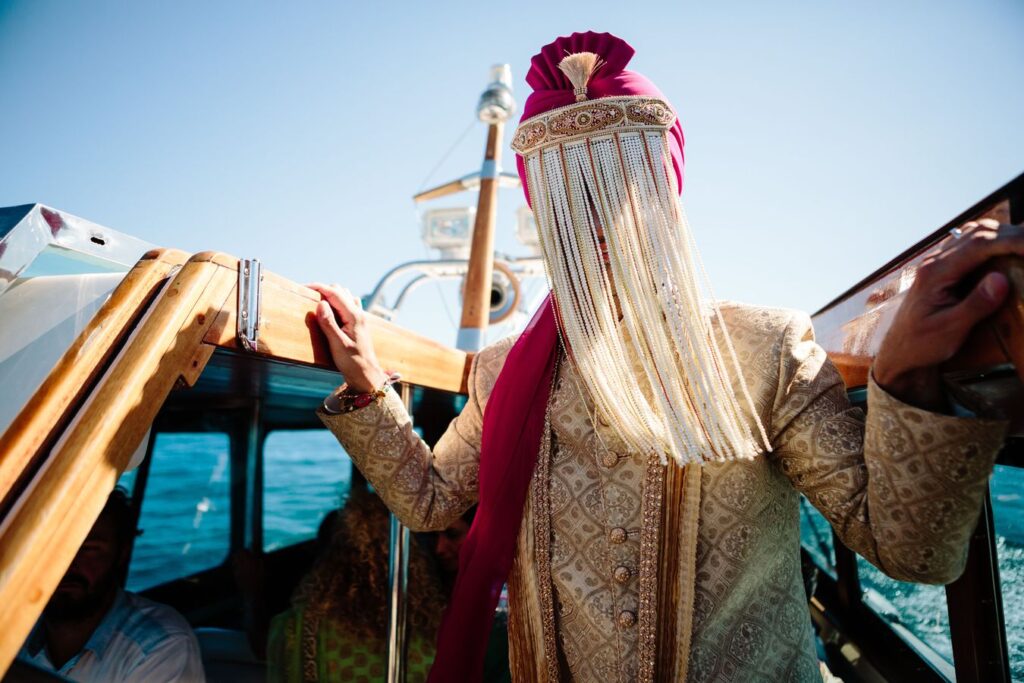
point(609, 459)
point(622, 574)
point(617, 535)
point(627, 618)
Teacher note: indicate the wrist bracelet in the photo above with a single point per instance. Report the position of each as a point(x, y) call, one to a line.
point(349, 400)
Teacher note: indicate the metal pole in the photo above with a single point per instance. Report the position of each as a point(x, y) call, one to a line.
point(398, 579)
point(253, 538)
point(496, 104)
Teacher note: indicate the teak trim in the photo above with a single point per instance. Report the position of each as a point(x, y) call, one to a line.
point(289, 332)
point(51, 518)
point(108, 411)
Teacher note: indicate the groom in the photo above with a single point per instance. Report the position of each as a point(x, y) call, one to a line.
point(639, 451)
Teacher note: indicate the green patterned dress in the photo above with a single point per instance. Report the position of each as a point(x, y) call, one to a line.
point(328, 653)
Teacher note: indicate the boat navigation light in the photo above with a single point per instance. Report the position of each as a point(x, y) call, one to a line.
point(496, 103)
point(449, 230)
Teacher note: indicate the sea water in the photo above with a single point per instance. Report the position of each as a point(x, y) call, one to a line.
point(921, 608)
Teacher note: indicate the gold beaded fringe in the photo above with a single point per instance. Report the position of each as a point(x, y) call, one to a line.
point(619, 187)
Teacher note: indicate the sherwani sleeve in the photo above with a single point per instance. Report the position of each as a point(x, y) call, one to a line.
point(426, 490)
point(902, 487)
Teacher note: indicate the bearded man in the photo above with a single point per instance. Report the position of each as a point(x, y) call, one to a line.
point(639, 451)
point(92, 631)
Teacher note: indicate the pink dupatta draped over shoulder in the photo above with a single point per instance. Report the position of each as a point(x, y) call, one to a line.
point(512, 433)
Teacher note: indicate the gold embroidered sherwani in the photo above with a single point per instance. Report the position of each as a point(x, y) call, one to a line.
point(628, 570)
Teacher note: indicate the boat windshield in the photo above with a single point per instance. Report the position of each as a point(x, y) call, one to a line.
point(53, 282)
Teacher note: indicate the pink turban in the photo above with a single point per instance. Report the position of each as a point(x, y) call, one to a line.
point(551, 88)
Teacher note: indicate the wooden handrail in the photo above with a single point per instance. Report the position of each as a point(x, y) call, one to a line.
point(996, 205)
point(289, 332)
point(47, 410)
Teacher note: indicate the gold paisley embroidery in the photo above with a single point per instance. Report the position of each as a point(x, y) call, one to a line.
point(652, 112)
point(608, 114)
point(529, 135)
point(577, 120)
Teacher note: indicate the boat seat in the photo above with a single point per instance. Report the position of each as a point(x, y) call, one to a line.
point(227, 656)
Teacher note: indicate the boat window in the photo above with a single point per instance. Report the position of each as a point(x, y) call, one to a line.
point(185, 519)
point(917, 612)
point(1008, 516)
point(306, 474)
point(816, 537)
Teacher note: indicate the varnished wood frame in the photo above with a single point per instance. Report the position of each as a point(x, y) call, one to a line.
point(994, 343)
point(289, 332)
point(45, 526)
point(111, 399)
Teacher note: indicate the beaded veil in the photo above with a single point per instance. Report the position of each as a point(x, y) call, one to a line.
point(632, 299)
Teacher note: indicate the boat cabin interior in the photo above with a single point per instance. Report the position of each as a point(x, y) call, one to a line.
point(191, 382)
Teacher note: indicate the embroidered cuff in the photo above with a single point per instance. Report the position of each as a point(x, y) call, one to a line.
point(877, 396)
point(898, 430)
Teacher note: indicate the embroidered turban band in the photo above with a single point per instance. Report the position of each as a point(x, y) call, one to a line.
point(590, 118)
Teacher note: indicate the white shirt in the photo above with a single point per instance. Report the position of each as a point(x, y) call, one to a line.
point(138, 640)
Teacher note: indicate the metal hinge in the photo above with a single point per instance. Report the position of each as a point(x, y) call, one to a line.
point(250, 280)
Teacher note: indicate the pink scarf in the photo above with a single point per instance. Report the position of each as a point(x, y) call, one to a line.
point(512, 433)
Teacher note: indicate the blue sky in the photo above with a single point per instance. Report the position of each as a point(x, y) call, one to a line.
point(822, 137)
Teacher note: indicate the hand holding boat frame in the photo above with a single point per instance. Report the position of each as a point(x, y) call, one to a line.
point(939, 312)
point(350, 342)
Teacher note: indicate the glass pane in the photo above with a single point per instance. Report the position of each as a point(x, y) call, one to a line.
point(306, 474)
point(186, 509)
point(919, 608)
point(816, 537)
point(1008, 515)
point(41, 317)
point(56, 260)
